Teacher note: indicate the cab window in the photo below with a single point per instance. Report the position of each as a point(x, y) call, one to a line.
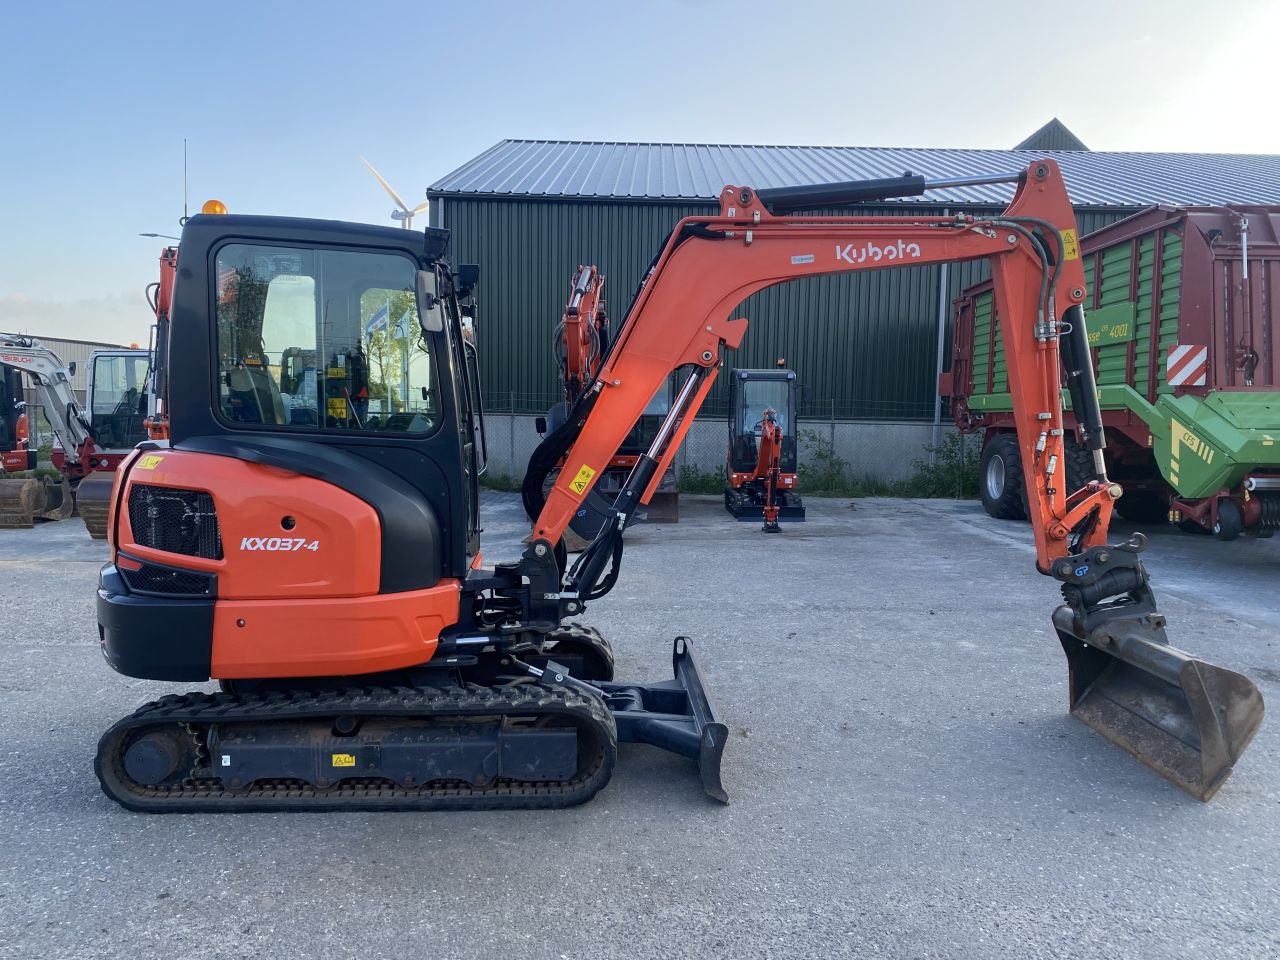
point(322, 340)
point(118, 402)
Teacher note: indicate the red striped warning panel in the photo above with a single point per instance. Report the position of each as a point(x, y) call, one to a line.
point(1188, 365)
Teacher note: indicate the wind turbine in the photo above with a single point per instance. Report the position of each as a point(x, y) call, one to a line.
point(404, 214)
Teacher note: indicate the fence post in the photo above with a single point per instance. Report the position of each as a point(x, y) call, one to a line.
point(511, 431)
point(831, 427)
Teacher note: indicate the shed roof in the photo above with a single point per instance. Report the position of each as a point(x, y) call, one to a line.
point(1054, 135)
point(698, 171)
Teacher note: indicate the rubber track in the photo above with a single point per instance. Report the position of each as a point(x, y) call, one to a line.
point(210, 796)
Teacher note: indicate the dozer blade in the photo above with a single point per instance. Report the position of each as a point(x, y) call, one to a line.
point(93, 500)
point(676, 715)
point(744, 508)
point(663, 507)
point(1186, 719)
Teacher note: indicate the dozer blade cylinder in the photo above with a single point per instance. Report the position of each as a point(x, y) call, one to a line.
point(1186, 719)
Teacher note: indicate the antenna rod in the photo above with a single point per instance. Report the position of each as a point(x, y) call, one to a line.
point(184, 179)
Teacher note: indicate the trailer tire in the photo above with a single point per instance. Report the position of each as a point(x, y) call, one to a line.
point(1000, 481)
point(1143, 506)
point(1230, 521)
point(1079, 464)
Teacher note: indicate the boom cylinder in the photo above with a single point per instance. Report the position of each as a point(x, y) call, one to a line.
point(1083, 385)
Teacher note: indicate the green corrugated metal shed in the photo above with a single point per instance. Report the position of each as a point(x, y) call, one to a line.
point(865, 345)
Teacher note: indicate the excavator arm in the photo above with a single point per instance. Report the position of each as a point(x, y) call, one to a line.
point(682, 319)
point(1185, 718)
point(52, 380)
point(769, 467)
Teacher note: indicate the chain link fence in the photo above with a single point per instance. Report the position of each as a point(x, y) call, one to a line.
point(842, 450)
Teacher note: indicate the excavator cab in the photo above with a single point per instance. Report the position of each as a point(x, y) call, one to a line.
point(16, 451)
point(336, 558)
point(759, 399)
point(118, 397)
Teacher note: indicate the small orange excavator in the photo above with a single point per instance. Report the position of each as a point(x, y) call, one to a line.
point(580, 343)
point(762, 451)
point(326, 568)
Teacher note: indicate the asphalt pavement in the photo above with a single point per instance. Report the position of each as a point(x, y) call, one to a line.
point(905, 779)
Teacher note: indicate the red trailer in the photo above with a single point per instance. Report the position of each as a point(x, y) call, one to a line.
point(1181, 325)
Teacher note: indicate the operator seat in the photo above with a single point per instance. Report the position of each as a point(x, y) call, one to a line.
point(255, 395)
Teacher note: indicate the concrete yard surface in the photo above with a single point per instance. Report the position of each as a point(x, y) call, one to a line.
point(905, 779)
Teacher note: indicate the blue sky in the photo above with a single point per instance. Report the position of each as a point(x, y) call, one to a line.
point(278, 99)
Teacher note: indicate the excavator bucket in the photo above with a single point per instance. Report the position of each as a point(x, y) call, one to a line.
point(92, 501)
point(1186, 719)
point(20, 502)
point(60, 502)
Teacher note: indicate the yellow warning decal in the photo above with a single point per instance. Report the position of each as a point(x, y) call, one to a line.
point(580, 483)
point(344, 759)
point(1182, 437)
point(1070, 246)
point(149, 462)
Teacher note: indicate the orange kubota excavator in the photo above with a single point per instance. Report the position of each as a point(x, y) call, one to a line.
point(326, 569)
point(580, 344)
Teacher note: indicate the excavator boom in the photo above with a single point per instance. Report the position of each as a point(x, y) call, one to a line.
point(682, 321)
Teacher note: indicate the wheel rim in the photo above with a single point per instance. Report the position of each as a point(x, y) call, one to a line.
point(995, 477)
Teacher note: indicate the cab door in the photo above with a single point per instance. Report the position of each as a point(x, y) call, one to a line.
point(470, 419)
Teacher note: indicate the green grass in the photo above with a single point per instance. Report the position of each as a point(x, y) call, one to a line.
point(822, 473)
point(693, 479)
point(953, 472)
point(499, 481)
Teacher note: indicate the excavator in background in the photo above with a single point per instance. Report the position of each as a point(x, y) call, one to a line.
point(762, 447)
point(328, 574)
point(160, 297)
point(17, 446)
point(88, 444)
point(580, 341)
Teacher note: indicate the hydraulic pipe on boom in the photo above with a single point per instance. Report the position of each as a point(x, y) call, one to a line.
point(1189, 720)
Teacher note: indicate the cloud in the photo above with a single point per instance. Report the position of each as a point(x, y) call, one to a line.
point(122, 318)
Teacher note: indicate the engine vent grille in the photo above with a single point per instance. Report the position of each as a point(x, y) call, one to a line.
point(175, 521)
point(153, 579)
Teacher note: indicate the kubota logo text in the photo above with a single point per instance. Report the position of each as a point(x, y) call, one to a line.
point(289, 544)
point(850, 253)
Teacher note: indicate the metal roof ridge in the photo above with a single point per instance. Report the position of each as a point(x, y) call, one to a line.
point(854, 146)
